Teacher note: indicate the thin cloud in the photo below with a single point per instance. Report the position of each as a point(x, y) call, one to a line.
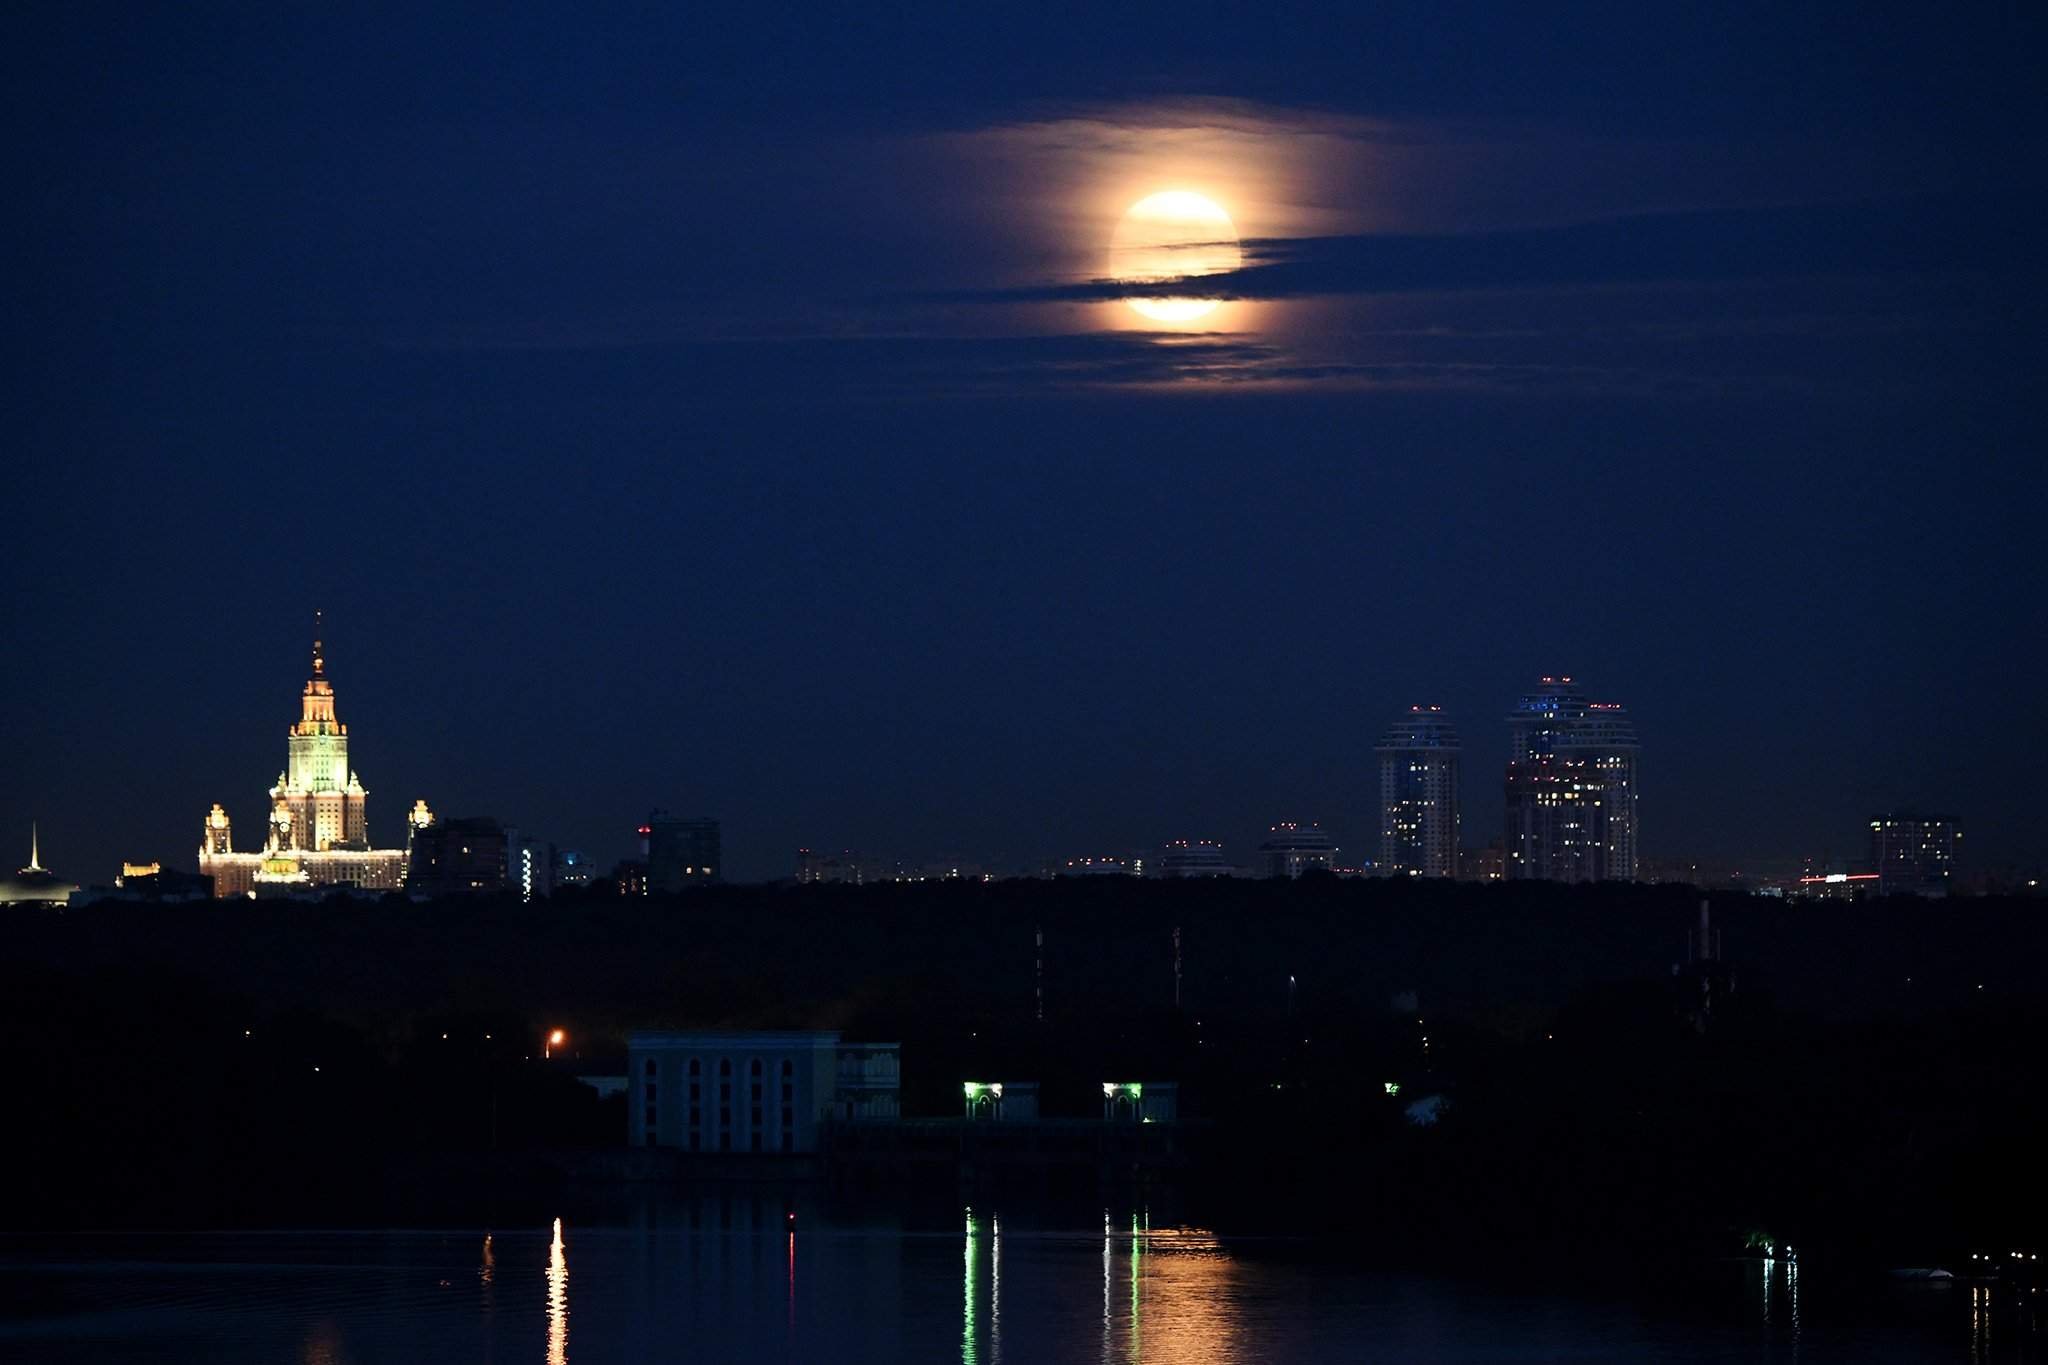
point(1919, 235)
point(899, 368)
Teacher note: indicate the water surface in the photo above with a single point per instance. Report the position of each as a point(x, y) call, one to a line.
point(721, 1278)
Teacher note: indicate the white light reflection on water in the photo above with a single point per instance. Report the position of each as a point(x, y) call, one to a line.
point(972, 1324)
point(558, 1300)
point(1107, 1251)
point(1778, 1293)
point(1792, 1293)
point(967, 1295)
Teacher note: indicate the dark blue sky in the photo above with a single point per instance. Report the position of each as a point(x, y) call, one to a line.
point(700, 410)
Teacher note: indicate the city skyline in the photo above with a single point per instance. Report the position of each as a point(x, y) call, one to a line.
point(797, 425)
point(1377, 633)
point(318, 741)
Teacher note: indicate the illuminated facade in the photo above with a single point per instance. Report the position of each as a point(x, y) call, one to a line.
point(1140, 1101)
point(317, 833)
point(35, 884)
point(529, 866)
point(999, 1101)
point(1419, 821)
point(1571, 788)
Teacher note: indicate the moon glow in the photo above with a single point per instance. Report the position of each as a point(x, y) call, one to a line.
point(1173, 235)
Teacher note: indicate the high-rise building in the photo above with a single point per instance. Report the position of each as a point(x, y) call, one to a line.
point(1291, 848)
point(681, 852)
point(1913, 854)
point(318, 829)
point(1571, 788)
point(1419, 820)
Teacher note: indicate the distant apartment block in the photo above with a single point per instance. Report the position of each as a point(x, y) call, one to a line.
point(459, 858)
point(1487, 864)
point(529, 866)
point(1571, 788)
point(1194, 858)
point(1419, 820)
point(1913, 854)
point(681, 851)
point(1291, 848)
point(574, 868)
point(816, 867)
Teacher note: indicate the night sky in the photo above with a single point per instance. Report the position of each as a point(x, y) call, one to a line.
point(724, 412)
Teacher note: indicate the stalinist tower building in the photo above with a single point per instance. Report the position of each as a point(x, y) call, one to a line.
point(318, 803)
point(318, 830)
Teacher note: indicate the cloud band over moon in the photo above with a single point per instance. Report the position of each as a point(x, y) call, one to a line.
point(1918, 235)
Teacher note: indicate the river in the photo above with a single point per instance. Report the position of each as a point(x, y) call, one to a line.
point(722, 1278)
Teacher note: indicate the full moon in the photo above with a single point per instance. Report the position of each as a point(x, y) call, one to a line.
point(1173, 235)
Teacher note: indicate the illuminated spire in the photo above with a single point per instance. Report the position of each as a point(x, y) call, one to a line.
point(34, 853)
point(319, 664)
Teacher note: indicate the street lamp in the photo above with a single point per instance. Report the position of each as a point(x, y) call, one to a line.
point(554, 1040)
